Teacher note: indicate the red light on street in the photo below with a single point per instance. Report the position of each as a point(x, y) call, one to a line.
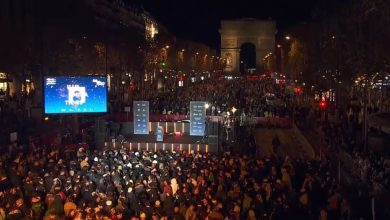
point(322, 104)
point(297, 90)
point(131, 87)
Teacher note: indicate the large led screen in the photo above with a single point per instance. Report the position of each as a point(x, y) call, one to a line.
point(75, 94)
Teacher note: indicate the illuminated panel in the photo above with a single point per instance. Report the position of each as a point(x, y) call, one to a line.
point(147, 146)
point(139, 146)
point(197, 147)
point(163, 146)
point(131, 146)
point(171, 147)
point(197, 118)
point(141, 117)
point(155, 147)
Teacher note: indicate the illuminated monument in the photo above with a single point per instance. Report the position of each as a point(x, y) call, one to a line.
point(236, 33)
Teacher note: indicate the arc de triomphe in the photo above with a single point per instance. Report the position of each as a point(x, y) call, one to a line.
point(234, 33)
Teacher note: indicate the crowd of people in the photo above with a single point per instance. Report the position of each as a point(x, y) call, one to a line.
point(255, 97)
point(373, 170)
point(42, 183)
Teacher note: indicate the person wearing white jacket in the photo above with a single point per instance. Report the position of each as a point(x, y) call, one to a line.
point(174, 185)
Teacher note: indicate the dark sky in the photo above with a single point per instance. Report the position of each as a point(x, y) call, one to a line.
point(199, 20)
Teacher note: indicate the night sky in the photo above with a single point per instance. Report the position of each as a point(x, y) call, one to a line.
point(199, 20)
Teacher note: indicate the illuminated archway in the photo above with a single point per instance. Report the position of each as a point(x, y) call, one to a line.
point(235, 33)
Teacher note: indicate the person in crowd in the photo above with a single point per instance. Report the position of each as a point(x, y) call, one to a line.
point(123, 184)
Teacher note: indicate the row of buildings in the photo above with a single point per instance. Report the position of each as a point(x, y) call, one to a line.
point(75, 37)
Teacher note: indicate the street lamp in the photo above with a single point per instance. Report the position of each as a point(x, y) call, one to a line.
point(207, 105)
point(123, 91)
point(287, 37)
point(281, 58)
point(234, 124)
point(234, 110)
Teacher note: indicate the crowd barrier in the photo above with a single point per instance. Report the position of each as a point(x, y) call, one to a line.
point(124, 117)
point(160, 146)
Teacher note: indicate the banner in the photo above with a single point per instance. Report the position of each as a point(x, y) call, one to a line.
point(141, 117)
point(197, 118)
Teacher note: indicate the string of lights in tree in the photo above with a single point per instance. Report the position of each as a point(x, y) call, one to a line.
point(151, 30)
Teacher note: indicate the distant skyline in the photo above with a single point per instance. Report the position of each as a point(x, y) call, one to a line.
point(199, 20)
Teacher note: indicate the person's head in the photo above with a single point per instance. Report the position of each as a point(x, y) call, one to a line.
point(191, 207)
point(119, 215)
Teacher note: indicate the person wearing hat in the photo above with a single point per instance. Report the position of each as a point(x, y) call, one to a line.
point(68, 207)
point(36, 206)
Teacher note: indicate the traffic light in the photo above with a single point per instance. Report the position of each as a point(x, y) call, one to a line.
point(298, 90)
point(323, 105)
